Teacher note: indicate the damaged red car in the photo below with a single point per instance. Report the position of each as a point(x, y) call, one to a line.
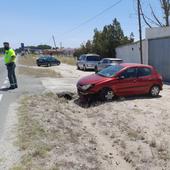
point(121, 80)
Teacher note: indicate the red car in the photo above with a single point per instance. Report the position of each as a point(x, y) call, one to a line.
point(122, 80)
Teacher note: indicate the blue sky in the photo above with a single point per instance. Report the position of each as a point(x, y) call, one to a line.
point(35, 21)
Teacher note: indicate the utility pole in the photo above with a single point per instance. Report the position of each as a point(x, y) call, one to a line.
point(54, 41)
point(140, 30)
point(61, 45)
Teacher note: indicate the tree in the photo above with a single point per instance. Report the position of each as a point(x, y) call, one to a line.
point(104, 42)
point(155, 20)
point(44, 47)
point(165, 4)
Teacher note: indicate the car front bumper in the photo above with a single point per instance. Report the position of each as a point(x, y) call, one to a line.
point(90, 66)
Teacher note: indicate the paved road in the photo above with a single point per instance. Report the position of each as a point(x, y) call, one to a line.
point(27, 85)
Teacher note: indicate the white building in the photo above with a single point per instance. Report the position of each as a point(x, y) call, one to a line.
point(156, 50)
point(131, 54)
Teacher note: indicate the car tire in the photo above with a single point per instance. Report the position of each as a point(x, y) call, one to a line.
point(154, 91)
point(38, 65)
point(96, 70)
point(84, 68)
point(59, 63)
point(106, 94)
point(78, 68)
point(48, 64)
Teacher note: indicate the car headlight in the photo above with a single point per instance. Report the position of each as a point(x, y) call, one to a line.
point(87, 86)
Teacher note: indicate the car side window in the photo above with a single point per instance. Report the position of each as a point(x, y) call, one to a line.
point(53, 59)
point(142, 72)
point(129, 73)
point(81, 57)
point(104, 61)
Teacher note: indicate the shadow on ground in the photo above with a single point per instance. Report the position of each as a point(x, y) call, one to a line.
point(94, 101)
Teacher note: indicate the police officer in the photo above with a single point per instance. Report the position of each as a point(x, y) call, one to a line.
point(10, 59)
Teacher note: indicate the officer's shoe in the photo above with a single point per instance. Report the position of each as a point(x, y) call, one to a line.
point(11, 87)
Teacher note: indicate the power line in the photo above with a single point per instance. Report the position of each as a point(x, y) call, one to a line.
point(94, 17)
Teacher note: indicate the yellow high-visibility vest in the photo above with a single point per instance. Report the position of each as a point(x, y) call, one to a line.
point(8, 56)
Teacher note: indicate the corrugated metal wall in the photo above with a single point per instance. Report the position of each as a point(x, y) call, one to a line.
point(159, 56)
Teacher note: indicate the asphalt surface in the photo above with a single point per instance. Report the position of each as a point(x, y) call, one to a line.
point(27, 85)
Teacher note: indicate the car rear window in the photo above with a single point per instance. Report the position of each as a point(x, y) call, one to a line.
point(93, 58)
point(142, 72)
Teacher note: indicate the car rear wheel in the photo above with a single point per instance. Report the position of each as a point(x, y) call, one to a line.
point(106, 94)
point(58, 63)
point(48, 64)
point(155, 90)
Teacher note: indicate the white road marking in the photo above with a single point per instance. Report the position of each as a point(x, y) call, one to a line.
point(5, 83)
point(1, 95)
point(3, 87)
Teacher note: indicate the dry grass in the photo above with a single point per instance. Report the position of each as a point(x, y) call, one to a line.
point(38, 72)
point(30, 132)
point(27, 68)
point(29, 60)
point(67, 60)
point(51, 138)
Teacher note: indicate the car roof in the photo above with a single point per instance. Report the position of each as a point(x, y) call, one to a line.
point(113, 59)
point(135, 65)
point(92, 55)
point(46, 56)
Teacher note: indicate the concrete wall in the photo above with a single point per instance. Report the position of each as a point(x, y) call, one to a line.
point(131, 53)
point(159, 32)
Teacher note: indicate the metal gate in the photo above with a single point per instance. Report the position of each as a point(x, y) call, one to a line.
point(159, 56)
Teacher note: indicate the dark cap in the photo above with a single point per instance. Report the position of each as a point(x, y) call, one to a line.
point(6, 43)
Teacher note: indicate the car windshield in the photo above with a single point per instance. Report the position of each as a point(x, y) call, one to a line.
point(110, 71)
point(115, 61)
point(93, 58)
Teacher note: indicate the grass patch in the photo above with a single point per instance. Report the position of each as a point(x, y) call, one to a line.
point(29, 60)
point(51, 137)
point(38, 72)
point(30, 133)
point(67, 60)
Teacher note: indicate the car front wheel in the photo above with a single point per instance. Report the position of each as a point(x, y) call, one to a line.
point(84, 68)
point(78, 68)
point(155, 90)
point(96, 70)
point(106, 94)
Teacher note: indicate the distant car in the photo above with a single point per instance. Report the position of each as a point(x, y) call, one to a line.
point(47, 61)
point(105, 62)
point(121, 80)
point(88, 61)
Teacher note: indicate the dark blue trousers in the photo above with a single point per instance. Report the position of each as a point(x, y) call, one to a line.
point(11, 74)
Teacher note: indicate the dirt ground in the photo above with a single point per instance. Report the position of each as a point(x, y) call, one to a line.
point(129, 133)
